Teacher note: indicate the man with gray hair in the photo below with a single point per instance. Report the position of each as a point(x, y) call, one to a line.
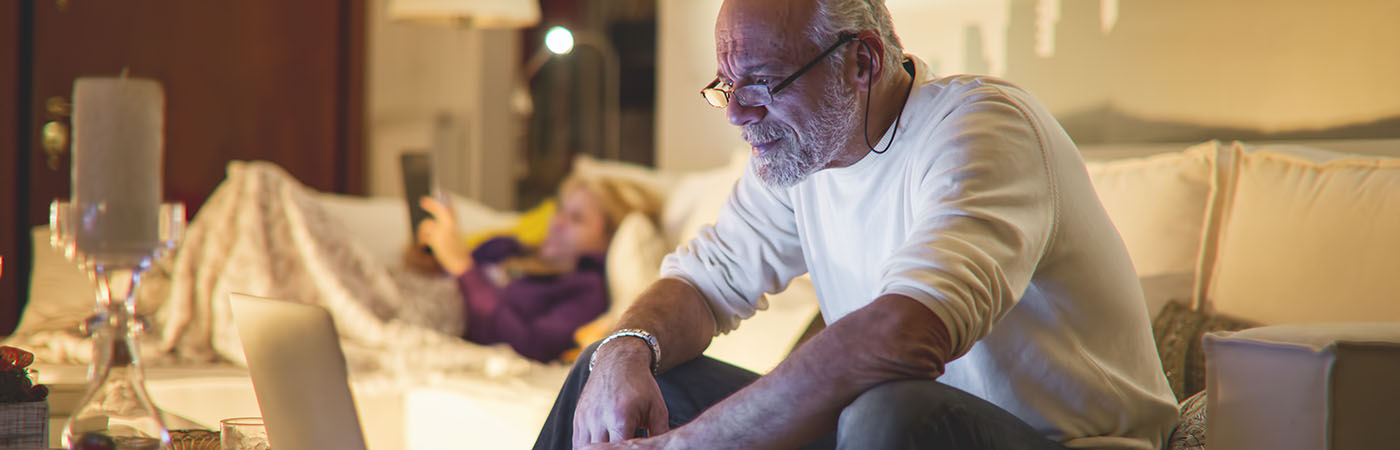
point(976, 293)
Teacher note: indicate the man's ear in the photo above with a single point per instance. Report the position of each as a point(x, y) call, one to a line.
point(870, 57)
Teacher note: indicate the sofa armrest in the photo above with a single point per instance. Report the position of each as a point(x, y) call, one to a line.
point(1304, 386)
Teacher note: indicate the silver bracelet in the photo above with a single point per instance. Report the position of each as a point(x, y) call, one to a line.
point(636, 333)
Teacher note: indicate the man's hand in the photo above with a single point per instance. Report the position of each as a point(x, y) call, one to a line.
point(620, 397)
point(659, 442)
point(439, 233)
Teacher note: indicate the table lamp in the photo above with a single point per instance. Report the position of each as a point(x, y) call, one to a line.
point(473, 13)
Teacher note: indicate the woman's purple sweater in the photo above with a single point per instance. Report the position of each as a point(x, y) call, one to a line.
point(536, 315)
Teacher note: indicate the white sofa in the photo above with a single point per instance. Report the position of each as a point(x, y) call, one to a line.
point(409, 411)
point(1275, 235)
point(1287, 238)
point(1298, 239)
point(1290, 239)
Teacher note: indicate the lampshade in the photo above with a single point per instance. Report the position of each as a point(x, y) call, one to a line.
point(475, 13)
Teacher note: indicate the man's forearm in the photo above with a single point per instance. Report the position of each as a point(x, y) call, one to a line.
point(893, 338)
point(674, 312)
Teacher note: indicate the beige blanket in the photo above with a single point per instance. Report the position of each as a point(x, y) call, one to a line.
point(262, 233)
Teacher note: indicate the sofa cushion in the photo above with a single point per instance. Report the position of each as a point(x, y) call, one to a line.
point(1304, 386)
point(633, 263)
point(698, 198)
point(1308, 238)
point(380, 224)
point(658, 181)
point(1158, 203)
point(60, 294)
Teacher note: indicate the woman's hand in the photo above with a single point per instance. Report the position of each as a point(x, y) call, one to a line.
point(439, 233)
point(416, 257)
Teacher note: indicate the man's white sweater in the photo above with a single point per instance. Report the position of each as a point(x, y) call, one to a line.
point(981, 210)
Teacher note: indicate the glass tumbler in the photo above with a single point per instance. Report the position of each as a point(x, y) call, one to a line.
point(243, 433)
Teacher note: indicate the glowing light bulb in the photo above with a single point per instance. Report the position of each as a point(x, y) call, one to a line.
point(559, 40)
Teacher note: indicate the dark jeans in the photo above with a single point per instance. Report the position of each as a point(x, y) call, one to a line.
point(909, 414)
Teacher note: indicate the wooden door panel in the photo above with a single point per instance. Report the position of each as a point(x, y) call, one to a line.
point(13, 243)
point(244, 80)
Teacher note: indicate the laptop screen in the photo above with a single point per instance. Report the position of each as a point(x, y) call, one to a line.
point(298, 373)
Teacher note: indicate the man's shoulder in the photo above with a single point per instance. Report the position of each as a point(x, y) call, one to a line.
point(975, 117)
point(962, 89)
point(960, 103)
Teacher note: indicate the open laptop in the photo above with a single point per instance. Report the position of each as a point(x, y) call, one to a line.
point(298, 373)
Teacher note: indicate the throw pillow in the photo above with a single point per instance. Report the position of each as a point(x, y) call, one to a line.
point(1190, 434)
point(698, 199)
point(1158, 204)
point(633, 262)
point(1309, 239)
point(1173, 329)
point(1195, 379)
point(530, 230)
point(1178, 331)
point(656, 180)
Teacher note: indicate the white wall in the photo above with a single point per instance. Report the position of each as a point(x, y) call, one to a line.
point(690, 134)
point(430, 85)
point(1256, 65)
point(1264, 65)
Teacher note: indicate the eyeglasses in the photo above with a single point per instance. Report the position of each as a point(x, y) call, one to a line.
point(760, 94)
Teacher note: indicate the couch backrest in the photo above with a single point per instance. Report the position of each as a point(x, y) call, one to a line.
point(1307, 236)
point(380, 224)
point(1281, 233)
point(1158, 203)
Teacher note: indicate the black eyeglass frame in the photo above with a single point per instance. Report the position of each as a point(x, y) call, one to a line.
point(713, 86)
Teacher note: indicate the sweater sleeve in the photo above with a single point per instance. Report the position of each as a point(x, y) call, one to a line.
point(497, 249)
point(984, 212)
point(539, 316)
point(753, 248)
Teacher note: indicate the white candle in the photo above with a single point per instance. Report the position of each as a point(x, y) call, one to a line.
point(118, 140)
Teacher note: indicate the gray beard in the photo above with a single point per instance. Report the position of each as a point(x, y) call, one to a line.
point(795, 158)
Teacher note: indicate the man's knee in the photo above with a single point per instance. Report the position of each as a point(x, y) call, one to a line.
point(889, 415)
point(891, 404)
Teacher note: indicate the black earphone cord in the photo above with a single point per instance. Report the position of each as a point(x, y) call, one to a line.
point(866, 129)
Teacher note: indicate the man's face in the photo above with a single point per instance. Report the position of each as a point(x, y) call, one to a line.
point(808, 123)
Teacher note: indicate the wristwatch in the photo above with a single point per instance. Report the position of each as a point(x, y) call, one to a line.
point(636, 333)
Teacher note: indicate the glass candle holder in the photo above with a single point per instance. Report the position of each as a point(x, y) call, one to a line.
point(116, 412)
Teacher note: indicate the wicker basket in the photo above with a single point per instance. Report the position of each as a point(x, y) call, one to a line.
point(194, 440)
point(24, 424)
